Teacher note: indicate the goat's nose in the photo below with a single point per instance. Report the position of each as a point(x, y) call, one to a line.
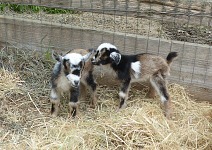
point(76, 82)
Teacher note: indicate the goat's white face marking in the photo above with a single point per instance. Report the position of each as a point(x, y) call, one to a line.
point(74, 67)
point(136, 66)
point(74, 58)
point(74, 79)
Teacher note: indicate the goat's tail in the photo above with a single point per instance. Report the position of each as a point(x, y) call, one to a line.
point(170, 57)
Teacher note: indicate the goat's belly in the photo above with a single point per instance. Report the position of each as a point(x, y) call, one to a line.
point(63, 84)
point(140, 79)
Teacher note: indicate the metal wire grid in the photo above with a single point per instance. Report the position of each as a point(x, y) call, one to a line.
point(187, 14)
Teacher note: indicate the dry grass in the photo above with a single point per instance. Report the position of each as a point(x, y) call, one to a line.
point(25, 122)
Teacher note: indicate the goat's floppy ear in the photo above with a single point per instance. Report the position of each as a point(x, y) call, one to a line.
point(91, 50)
point(57, 57)
point(116, 57)
point(87, 56)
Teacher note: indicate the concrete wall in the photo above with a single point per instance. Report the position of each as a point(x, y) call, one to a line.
point(193, 66)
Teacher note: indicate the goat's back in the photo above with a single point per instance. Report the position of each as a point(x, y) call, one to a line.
point(80, 51)
point(151, 64)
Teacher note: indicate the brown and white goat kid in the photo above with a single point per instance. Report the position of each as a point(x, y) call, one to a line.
point(135, 68)
point(72, 73)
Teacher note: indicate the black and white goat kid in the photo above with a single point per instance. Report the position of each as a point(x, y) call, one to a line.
point(72, 73)
point(135, 68)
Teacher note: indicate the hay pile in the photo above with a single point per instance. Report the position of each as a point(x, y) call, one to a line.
point(25, 122)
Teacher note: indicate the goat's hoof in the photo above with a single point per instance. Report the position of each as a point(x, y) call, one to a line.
point(92, 106)
point(120, 108)
point(123, 106)
point(168, 115)
point(73, 117)
point(54, 115)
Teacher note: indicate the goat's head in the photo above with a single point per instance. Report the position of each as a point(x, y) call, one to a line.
point(73, 64)
point(106, 53)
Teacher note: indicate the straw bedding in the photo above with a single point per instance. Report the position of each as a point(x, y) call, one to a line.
point(25, 122)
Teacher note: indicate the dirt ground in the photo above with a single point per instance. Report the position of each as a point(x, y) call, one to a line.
point(190, 33)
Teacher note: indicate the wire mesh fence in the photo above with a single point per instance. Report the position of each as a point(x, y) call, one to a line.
point(170, 19)
point(134, 26)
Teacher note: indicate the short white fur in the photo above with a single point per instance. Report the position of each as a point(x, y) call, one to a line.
point(53, 95)
point(136, 66)
point(74, 58)
point(105, 45)
point(72, 78)
point(122, 94)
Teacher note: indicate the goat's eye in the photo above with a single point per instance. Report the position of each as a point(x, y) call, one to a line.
point(75, 66)
point(97, 54)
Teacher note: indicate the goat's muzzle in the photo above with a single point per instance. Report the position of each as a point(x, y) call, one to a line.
point(74, 80)
point(94, 62)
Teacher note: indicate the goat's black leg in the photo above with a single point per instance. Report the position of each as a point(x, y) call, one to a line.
point(73, 104)
point(55, 102)
point(160, 84)
point(92, 87)
point(123, 94)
